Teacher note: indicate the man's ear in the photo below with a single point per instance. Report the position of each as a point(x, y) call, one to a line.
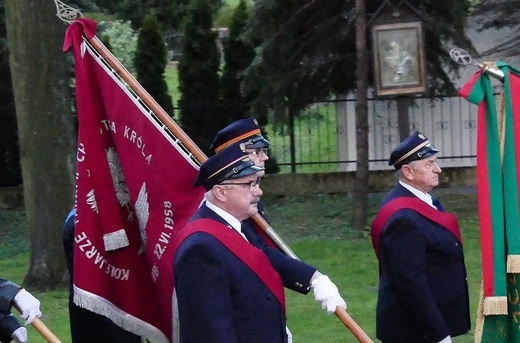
point(219, 192)
point(407, 172)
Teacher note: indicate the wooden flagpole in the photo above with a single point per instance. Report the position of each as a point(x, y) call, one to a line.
point(42, 329)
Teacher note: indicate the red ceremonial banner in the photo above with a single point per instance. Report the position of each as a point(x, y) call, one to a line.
point(134, 187)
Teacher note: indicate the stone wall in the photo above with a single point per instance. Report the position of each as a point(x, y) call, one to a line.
point(340, 182)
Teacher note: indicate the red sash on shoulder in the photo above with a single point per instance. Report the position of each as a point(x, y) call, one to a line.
point(253, 257)
point(446, 220)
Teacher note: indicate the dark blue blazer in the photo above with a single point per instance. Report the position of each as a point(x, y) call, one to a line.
point(423, 290)
point(220, 299)
point(8, 323)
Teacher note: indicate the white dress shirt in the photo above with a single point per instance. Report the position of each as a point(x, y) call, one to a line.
point(232, 221)
point(427, 198)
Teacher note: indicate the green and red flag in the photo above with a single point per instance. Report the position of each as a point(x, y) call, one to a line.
point(498, 168)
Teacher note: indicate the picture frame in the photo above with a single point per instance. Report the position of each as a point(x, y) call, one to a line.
point(399, 65)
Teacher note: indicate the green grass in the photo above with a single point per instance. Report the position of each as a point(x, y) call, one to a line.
point(315, 137)
point(316, 227)
point(172, 81)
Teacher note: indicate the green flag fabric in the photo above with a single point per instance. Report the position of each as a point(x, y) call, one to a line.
point(498, 173)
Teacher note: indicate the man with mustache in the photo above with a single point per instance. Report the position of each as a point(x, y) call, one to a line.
point(229, 283)
point(423, 290)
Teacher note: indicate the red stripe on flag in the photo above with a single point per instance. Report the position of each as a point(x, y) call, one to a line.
point(484, 203)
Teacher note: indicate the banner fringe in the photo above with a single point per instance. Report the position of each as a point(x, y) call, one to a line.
point(495, 305)
point(479, 323)
point(123, 319)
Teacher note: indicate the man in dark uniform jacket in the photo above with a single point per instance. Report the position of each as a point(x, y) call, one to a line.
point(10, 328)
point(423, 291)
point(229, 284)
point(87, 326)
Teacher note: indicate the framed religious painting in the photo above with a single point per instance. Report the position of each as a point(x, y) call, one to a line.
point(399, 62)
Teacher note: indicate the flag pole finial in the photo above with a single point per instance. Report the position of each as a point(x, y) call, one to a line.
point(66, 13)
point(462, 57)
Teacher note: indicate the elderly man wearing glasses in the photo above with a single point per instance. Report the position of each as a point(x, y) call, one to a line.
point(230, 284)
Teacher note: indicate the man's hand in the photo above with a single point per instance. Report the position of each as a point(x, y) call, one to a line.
point(28, 305)
point(326, 293)
point(19, 335)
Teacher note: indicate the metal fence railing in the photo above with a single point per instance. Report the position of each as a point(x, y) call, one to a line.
point(323, 137)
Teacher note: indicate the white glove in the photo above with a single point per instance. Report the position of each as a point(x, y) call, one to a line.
point(326, 293)
point(20, 335)
point(28, 304)
point(289, 335)
point(446, 339)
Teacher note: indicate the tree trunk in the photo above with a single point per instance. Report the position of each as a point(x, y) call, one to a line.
point(362, 175)
point(47, 139)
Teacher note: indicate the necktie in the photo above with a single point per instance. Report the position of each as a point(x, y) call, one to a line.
point(437, 204)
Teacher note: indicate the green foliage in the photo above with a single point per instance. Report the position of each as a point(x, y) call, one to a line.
point(170, 14)
point(306, 50)
point(150, 62)
point(238, 55)
point(123, 42)
point(225, 13)
point(498, 14)
point(83, 5)
point(199, 81)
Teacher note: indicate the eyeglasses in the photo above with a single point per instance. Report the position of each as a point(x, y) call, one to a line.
point(251, 184)
point(259, 151)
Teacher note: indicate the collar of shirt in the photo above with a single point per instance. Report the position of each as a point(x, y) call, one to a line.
point(233, 222)
point(427, 198)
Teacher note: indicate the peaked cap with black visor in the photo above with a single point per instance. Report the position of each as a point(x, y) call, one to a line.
point(415, 147)
point(231, 163)
point(244, 131)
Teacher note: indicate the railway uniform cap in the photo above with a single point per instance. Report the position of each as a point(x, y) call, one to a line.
point(230, 163)
point(244, 131)
point(415, 147)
